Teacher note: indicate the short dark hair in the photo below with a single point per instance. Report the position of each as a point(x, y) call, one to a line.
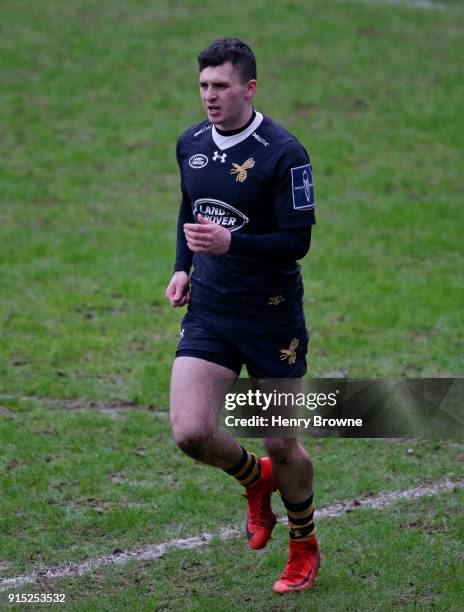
point(231, 50)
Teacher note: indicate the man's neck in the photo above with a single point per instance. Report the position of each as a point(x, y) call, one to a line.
point(239, 129)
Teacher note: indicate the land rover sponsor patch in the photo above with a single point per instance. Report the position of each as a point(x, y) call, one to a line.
point(197, 161)
point(219, 212)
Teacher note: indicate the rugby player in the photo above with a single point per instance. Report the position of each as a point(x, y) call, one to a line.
point(247, 207)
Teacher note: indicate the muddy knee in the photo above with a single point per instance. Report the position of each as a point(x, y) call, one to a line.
point(280, 451)
point(193, 445)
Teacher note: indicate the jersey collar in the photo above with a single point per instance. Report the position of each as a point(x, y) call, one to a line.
point(225, 142)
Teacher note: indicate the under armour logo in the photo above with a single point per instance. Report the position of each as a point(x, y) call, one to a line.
point(221, 157)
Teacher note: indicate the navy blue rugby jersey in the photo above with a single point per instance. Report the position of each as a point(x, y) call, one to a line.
point(258, 181)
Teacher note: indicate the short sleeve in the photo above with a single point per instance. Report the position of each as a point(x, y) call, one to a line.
point(293, 187)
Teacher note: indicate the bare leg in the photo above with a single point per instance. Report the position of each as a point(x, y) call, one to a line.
point(292, 467)
point(198, 388)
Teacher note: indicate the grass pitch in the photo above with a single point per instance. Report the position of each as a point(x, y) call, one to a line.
point(94, 96)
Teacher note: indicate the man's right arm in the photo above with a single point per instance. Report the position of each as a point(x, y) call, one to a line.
point(177, 291)
point(184, 255)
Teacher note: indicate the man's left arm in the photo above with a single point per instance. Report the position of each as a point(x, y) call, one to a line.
point(208, 237)
point(291, 243)
point(293, 202)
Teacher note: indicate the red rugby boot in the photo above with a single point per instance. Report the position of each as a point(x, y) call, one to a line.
point(260, 518)
point(301, 569)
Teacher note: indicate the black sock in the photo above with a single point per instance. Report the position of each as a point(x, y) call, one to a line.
point(248, 469)
point(300, 519)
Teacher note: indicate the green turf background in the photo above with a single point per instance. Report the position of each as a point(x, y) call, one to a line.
point(94, 95)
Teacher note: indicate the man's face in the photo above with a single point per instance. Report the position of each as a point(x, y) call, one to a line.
point(226, 99)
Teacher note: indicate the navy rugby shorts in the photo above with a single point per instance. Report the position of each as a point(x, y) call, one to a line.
point(268, 348)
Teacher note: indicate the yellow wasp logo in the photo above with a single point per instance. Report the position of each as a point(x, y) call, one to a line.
point(241, 171)
point(290, 353)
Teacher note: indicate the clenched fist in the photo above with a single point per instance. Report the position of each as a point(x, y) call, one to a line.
point(178, 292)
point(207, 237)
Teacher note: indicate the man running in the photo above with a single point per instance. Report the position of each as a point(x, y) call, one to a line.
point(245, 219)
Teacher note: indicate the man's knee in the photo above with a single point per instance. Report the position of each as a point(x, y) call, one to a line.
point(281, 451)
point(192, 443)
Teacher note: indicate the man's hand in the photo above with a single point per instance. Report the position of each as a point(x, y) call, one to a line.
point(207, 237)
point(178, 292)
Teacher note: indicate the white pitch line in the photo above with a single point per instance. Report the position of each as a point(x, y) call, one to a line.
point(427, 5)
point(155, 551)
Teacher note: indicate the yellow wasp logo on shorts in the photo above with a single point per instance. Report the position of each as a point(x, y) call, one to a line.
point(290, 353)
point(241, 171)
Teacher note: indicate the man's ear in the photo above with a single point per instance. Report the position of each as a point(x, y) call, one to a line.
point(251, 89)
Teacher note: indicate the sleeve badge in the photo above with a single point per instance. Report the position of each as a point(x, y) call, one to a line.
point(302, 187)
